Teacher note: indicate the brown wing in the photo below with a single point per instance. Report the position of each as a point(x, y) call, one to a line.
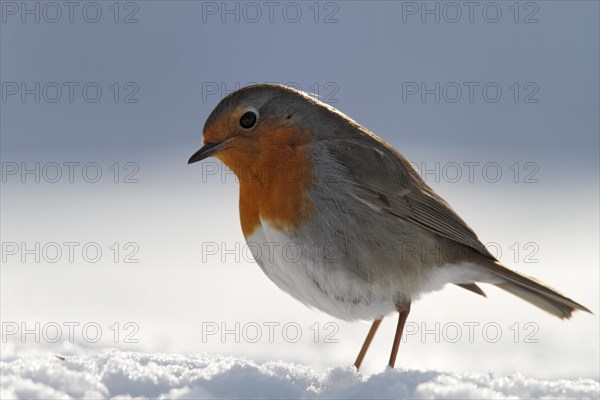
point(388, 181)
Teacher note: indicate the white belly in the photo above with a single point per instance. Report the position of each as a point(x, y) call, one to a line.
point(313, 276)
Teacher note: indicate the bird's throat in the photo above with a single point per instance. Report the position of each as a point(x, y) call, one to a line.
point(276, 190)
point(275, 176)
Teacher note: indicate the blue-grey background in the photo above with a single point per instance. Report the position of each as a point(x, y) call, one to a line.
point(181, 57)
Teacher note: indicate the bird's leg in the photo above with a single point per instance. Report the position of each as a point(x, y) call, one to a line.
point(403, 309)
point(367, 343)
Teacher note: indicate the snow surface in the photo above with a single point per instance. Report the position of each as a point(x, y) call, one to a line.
point(124, 374)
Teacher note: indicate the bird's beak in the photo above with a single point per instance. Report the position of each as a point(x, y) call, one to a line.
point(207, 150)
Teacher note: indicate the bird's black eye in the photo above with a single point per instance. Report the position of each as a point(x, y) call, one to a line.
point(248, 120)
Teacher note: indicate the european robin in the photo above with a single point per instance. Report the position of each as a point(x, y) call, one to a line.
point(340, 220)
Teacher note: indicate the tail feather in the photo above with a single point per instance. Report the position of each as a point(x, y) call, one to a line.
point(534, 291)
point(473, 288)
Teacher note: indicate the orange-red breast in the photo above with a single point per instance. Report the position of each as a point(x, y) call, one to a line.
point(340, 220)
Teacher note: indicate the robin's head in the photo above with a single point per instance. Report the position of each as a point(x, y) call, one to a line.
point(256, 120)
point(264, 133)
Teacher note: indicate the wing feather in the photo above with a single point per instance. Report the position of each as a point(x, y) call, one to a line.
point(385, 179)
